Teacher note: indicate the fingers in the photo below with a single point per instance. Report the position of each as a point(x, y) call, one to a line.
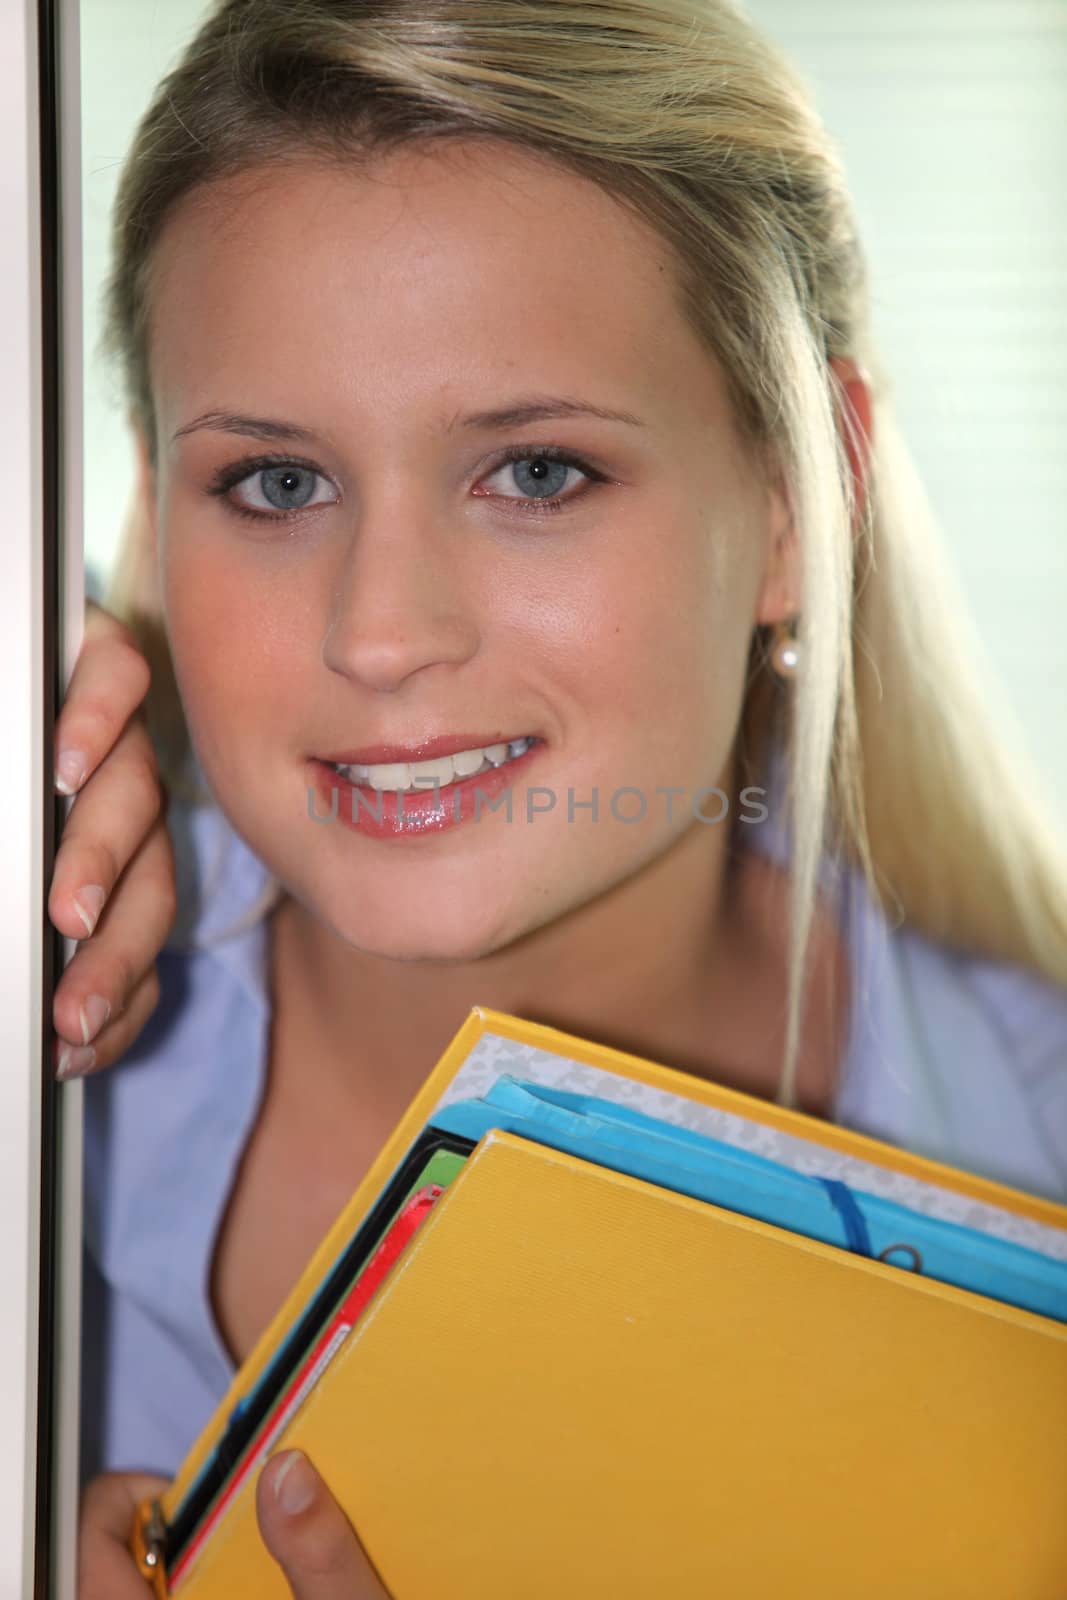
point(113, 885)
point(110, 987)
point(309, 1535)
point(107, 824)
point(106, 1568)
point(109, 681)
point(114, 1038)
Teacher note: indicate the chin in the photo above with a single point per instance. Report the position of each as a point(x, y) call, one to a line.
point(426, 935)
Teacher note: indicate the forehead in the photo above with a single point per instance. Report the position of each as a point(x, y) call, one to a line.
point(428, 275)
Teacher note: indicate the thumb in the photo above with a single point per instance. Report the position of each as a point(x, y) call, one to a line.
point(309, 1535)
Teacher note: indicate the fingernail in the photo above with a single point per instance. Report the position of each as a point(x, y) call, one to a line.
point(75, 1060)
point(88, 903)
point(294, 1487)
point(94, 1013)
point(70, 770)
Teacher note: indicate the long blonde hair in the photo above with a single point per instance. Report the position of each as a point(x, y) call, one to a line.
point(683, 112)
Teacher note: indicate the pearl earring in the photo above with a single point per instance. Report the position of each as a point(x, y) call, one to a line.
point(785, 656)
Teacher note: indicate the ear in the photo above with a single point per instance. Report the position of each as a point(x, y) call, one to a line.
point(780, 593)
point(853, 410)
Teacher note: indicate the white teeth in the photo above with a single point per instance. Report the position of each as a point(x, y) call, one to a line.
point(394, 776)
point(424, 774)
point(467, 762)
point(406, 775)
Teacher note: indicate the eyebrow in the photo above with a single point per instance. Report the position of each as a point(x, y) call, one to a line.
point(536, 408)
point(530, 408)
point(235, 422)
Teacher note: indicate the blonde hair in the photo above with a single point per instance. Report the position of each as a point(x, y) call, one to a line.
point(685, 114)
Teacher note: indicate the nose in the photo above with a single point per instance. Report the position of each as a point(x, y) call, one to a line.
point(400, 606)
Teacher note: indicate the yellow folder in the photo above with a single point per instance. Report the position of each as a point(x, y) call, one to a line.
point(583, 1384)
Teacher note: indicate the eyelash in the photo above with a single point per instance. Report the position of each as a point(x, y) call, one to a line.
point(237, 472)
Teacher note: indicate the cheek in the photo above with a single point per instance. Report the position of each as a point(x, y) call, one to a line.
point(656, 637)
point(233, 663)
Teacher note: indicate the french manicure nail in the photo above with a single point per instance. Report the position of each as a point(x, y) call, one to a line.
point(94, 1013)
point(70, 770)
point(88, 903)
point(294, 1486)
point(75, 1060)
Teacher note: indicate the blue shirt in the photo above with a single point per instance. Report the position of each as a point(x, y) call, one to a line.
point(951, 1056)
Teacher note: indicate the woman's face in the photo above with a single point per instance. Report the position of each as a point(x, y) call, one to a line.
point(400, 588)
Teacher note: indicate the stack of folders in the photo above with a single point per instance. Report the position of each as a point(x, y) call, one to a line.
point(593, 1327)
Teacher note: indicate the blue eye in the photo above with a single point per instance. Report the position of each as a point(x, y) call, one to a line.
point(273, 487)
point(277, 488)
point(286, 488)
point(541, 474)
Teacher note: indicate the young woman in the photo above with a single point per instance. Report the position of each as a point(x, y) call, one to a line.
point(509, 419)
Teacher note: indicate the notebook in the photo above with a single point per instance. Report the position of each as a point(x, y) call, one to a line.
point(637, 1308)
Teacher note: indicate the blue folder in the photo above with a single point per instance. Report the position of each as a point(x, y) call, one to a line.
point(707, 1169)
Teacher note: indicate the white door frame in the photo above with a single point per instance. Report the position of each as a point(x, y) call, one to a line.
point(41, 612)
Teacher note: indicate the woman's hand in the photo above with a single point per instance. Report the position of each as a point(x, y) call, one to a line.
point(115, 835)
point(303, 1527)
point(309, 1535)
point(106, 1568)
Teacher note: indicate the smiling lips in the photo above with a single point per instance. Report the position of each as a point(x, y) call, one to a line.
point(385, 769)
point(398, 799)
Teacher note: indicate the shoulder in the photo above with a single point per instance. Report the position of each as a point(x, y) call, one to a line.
point(966, 1055)
point(1022, 1018)
point(221, 882)
point(185, 1089)
point(957, 1057)
point(165, 1131)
